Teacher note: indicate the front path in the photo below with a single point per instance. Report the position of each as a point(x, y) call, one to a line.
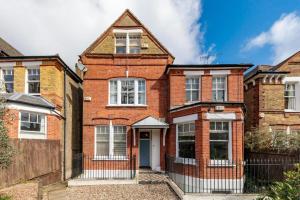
point(151, 186)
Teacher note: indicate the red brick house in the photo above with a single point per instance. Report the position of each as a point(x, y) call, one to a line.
point(138, 103)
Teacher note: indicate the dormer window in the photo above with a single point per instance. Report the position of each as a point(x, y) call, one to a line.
point(127, 41)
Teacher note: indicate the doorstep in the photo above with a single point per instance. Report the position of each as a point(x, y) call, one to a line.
point(84, 182)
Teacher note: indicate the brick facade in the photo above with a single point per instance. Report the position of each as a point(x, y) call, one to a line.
point(165, 94)
point(264, 96)
point(52, 81)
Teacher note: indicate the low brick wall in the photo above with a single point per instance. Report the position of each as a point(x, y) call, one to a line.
point(33, 159)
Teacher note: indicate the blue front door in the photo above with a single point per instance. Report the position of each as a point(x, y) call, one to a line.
point(144, 149)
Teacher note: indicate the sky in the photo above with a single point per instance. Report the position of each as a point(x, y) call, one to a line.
point(194, 31)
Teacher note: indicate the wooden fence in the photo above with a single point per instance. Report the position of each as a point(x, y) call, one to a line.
point(33, 159)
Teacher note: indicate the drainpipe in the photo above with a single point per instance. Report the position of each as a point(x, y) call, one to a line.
point(65, 123)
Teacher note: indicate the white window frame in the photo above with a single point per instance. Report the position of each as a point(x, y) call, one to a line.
point(295, 101)
point(191, 161)
point(136, 92)
point(111, 155)
point(225, 86)
point(199, 90)
point(27, 81)
point(127, 33)
point(32, 134)
point(3, 89)
point(229, 160)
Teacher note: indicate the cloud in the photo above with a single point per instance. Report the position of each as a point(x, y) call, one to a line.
point(283, 37)
point(68, 27)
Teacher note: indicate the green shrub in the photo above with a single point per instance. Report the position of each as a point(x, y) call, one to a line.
point(4, 197)
point(288, 189)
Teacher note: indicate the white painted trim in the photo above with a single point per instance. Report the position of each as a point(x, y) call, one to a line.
point(219, 72)
point(127, 30)
point(190, 183)
point(19, 106)
point(87, 182)
point(291, 79)
point(26, 76)
point(106, 173)
point(229, 144)
point(186, 118)
point(221, 116)
point(111, 142)
point(8, 64)
point(111, 139)
point(119, 92)
point(29, 64)
point(32, 134)
point(193, 73)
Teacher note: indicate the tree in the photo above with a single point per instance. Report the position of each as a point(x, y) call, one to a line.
point(277, 141)
point(6, 150)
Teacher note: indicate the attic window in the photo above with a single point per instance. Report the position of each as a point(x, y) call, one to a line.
point(127, 42)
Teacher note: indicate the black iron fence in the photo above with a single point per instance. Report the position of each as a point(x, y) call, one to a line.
point(222, 176)
point(104, 167)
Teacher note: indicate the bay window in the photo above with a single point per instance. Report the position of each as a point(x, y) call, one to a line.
point(110, 141)
point(127, 91)
point(8, 80)
point(192, 89)
point(220, 140)
point(186, 140)
point(290, 96)
point(219, 88)
point(32, 125)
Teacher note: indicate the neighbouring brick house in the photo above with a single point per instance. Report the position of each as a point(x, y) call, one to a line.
point(272, 97)
point(137, 103)
point(44, 101)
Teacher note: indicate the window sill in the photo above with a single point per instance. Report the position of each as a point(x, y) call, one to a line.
point(124, 105)
point(191, 102)
point(185, 161)
point(34, 94)
point(221, 163)
point(110, 158)
point(291, 111)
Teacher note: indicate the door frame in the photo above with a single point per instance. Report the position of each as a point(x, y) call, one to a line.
point(150, 145)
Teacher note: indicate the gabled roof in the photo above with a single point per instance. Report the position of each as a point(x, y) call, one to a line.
point(7, 50)
point(138, 23)
point(150, 122)
point(38, 101)
point(286, 60)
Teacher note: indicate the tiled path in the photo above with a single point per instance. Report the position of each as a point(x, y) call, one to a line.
point(147, 176)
